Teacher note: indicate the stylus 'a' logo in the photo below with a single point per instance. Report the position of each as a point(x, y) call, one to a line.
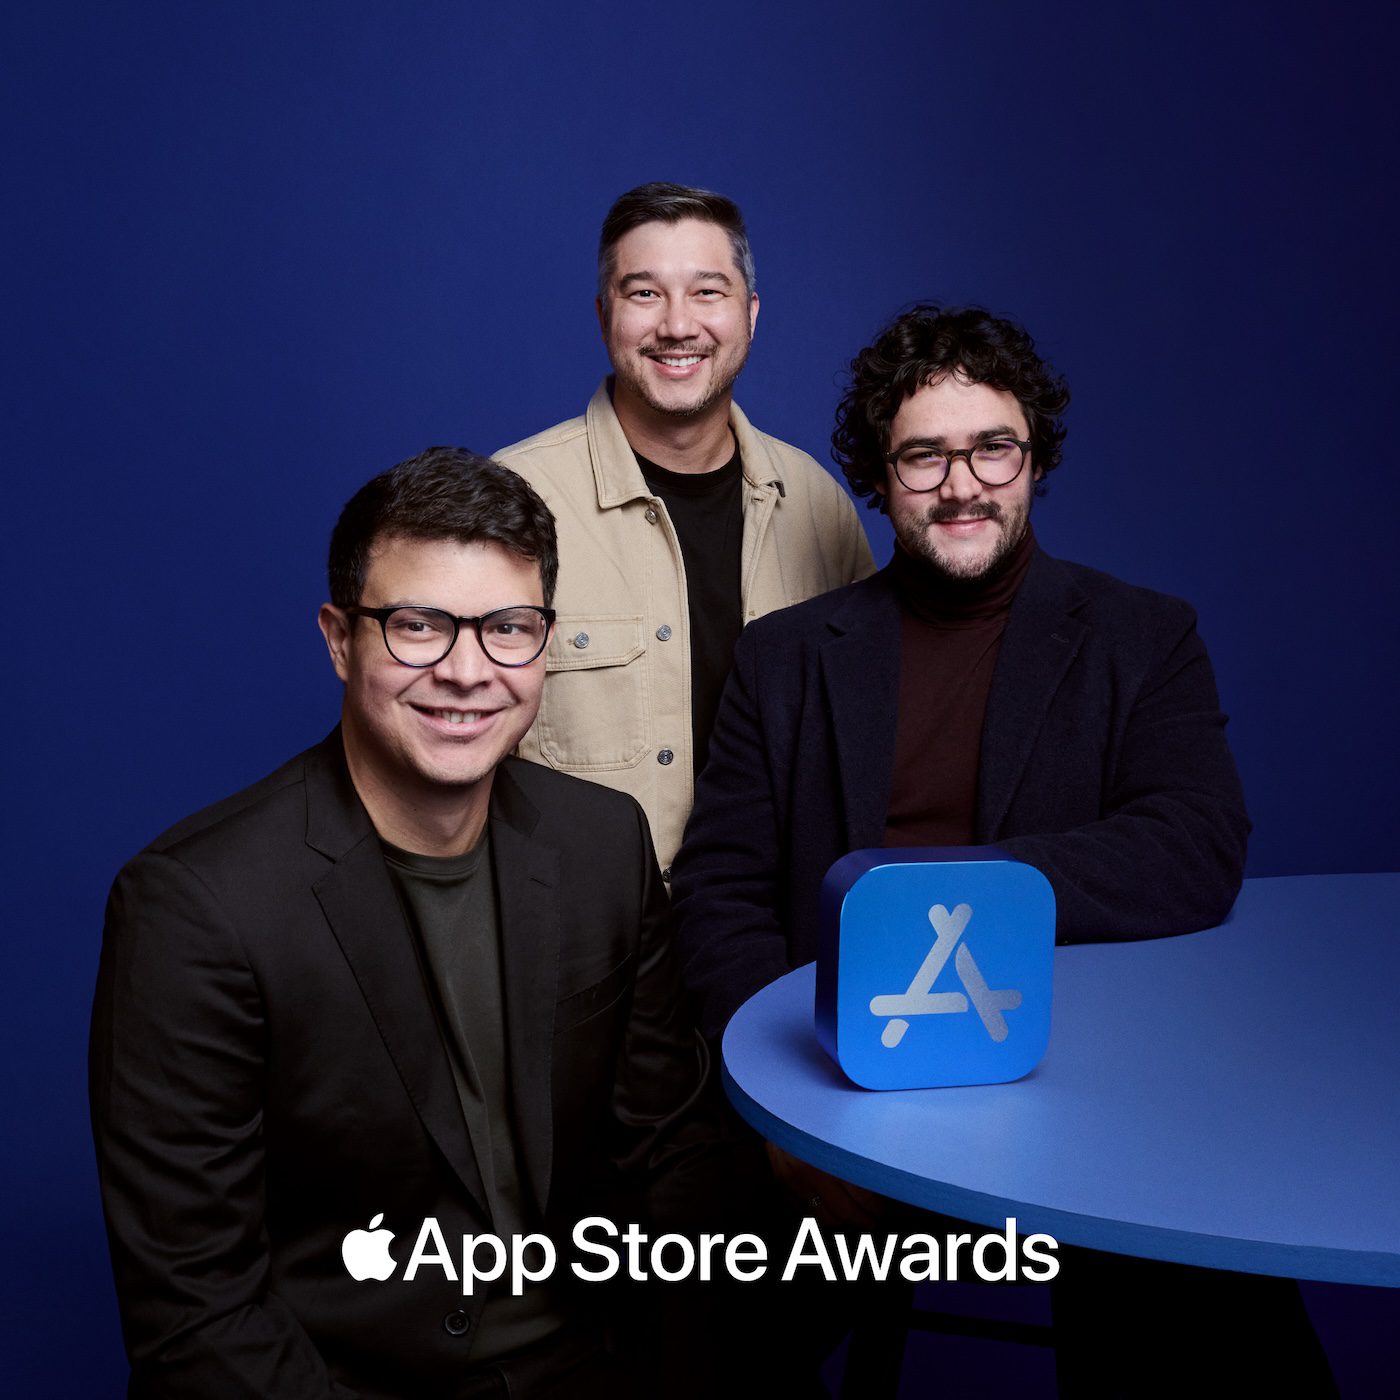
point(920, 1000)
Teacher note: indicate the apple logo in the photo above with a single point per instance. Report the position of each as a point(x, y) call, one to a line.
point(366, 1252)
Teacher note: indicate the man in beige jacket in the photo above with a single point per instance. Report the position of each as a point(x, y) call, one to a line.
point(678, 521)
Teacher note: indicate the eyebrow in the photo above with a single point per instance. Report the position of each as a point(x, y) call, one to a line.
point(701, 276)
point(437, 607)
point(940, 441)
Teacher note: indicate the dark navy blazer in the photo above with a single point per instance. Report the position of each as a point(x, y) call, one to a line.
point(1104, 765)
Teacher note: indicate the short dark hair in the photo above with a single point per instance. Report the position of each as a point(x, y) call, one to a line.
point(659, 202)
point(922, 345)
point(445, 493)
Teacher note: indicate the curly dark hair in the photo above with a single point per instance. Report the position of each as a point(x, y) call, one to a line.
point(445, 493)
point(923, 344)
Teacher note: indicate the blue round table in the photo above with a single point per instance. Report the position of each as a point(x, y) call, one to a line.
point(1229, 1098)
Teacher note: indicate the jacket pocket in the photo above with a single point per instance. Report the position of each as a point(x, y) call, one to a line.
point(580, 1006)
point(594, 712)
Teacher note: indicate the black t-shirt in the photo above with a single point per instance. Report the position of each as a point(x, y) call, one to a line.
point(707, 511)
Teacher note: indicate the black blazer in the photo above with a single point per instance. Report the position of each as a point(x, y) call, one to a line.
point(1103, 764)
point(266, 1075)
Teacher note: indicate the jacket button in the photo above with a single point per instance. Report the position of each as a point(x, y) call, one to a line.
point(663, 633)
point(457, 1323)
point(652, 516)
point(665, 756)
point(580, 640)
point(666, 874)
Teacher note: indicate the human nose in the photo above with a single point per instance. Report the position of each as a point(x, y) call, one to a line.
point(960, 484)
point(466, 664)
point(678, 321)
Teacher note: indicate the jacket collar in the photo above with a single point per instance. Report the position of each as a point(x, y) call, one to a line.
point(336, 820)
point(359, 902)
point(860, 668)
point(1043, 636)
point(527, 893)
point(617, 477)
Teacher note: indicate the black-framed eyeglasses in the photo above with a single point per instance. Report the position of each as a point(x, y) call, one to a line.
point(422, 637)
point(920, 466)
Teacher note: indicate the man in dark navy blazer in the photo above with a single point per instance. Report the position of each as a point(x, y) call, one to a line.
point(979, 692)
point(406, 976)
point(974, 692)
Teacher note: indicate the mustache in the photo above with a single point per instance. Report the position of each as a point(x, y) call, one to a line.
point(944, 511)
point(674, 348)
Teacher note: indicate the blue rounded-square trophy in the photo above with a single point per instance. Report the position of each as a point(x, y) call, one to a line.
point(934, 967)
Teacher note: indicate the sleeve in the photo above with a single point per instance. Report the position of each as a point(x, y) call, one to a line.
point(859, 562)
point(728, 902)
point(840, 535)
point(176, 1066)
point(1167, 854)
point(670, 1135)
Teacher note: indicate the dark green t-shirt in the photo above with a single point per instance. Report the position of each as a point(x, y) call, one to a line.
point(450, 903)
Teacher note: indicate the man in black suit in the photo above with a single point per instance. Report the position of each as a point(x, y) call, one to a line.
point(405, 975)
point(979, 692)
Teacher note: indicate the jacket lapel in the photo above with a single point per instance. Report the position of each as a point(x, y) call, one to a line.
point(860, 672)
point(527, 893)
point(1041, 640)
point(360, 905)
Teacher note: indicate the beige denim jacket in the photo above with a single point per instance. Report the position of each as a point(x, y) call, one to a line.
point(616, 704)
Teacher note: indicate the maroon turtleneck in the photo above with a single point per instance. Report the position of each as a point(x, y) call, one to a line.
point(950, 636)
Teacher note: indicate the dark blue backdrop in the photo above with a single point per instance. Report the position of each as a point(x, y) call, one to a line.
point(260, 251)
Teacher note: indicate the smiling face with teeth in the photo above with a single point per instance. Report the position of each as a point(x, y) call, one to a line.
point(424, 744)
point(677, 320)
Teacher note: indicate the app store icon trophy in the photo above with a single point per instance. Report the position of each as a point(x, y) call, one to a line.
point(934, 967)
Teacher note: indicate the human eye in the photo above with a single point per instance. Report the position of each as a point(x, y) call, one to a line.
point(997, 449)
point(921, 454)
point(417, 624)
point(513, 626)
point(642, 294)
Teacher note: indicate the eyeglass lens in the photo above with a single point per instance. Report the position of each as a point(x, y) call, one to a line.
point(994, 463)
point(423, 636)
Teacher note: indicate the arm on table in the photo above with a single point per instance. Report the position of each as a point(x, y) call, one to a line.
point(1167, 855)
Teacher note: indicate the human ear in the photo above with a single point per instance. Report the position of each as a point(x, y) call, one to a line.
point(335, 628)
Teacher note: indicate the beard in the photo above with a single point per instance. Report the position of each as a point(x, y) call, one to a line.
point(912, 530)
point(724, 368)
